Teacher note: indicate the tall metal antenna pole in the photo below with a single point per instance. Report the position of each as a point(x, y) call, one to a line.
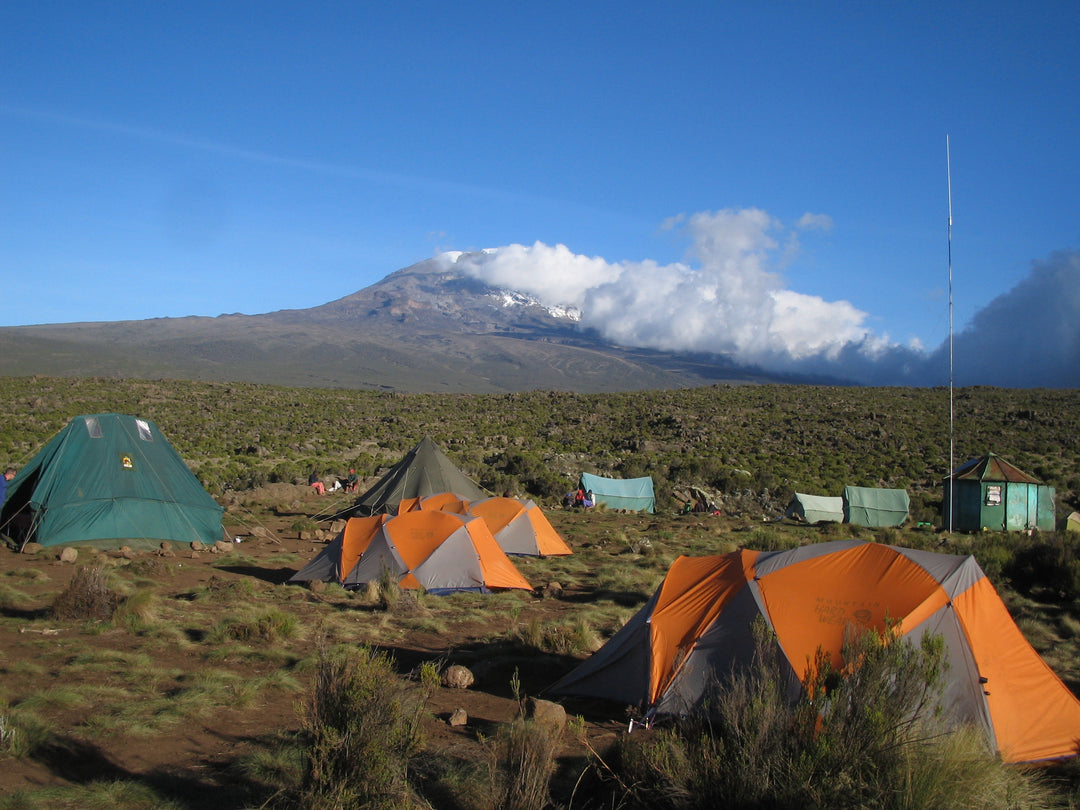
point(952, 484)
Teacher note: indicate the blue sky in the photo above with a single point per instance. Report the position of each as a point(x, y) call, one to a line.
point(170, 159)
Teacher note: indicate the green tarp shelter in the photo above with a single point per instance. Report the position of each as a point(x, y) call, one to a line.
point(991, 493)
point(109, 480)
point(815, 508)
point(633, 494)
point(875, 507)
point(424, 470)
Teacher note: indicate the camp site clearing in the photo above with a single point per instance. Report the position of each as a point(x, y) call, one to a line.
point(178, 693)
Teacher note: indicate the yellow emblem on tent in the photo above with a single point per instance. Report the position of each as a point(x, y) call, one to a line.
point(126, 462)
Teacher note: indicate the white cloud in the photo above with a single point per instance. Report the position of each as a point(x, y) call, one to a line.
point(729, 302)
point(727, 299)
point(815, 222)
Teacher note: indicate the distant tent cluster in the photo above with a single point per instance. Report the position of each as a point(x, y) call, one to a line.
point(861, 506)
point(439, 543)
point(429, 526)
point(108, 480)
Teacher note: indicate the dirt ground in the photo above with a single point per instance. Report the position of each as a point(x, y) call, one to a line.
point(192, 758)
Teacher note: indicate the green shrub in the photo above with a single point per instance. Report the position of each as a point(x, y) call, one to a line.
point(363, 726)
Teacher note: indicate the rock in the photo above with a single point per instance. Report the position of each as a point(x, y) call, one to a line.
point(222, 546)
point(307, 536)
point(69, 555)
point(457, 677)
point(32, 548)
point(129, 554)
point(545, 712)
point(458, 717)
point(166, 552)
point(337, 527)
point(553, 590)
point(197, 545)
point(316, 586)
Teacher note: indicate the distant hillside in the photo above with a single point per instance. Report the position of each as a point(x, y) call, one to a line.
point(418, 330)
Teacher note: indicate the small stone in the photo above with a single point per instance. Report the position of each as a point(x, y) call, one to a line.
point(222, 546)
point(69, 555)
point(553, 590)
point(32, 548)
point(458, 717)
point(197, 545)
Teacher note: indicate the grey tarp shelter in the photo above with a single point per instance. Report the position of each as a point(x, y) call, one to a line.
point(815, 508)
point(633, 494)
point(875, 506)
point(424, 470)
point(991, 493)
point(108, 480)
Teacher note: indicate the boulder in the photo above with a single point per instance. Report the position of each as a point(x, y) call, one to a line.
point(222, 546)
point(457, 677)
point(197, 546)
point(32, 548)
point(546, 713)
point(69, 555)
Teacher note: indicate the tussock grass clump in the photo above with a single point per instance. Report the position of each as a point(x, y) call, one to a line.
point(363, 727)
point(563, 638)
point(87, 597)
point(119, 794)
point(522, 764)
point(21, 731)
point(267, 626)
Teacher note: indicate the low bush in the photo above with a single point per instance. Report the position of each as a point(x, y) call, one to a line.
point(87, 597)
point(362, 725)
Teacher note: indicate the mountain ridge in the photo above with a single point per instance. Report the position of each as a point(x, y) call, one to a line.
point(424, 328)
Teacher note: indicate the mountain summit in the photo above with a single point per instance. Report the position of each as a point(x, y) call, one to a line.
point(426, 328)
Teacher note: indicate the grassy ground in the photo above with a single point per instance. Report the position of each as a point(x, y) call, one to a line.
point(191, 694)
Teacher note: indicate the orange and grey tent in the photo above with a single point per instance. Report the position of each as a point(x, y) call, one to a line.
point(440, 501)
point(696, 629)
point(437, 551)
point(341, 554)
point(520, 527)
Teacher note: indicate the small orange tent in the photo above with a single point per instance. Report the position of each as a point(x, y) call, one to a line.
point(520, 527)
point(437, 551)
point(696, 628)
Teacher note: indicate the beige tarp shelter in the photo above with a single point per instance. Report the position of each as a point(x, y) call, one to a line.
point(696, 629)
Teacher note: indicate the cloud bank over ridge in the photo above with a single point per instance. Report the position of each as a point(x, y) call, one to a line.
point(728, 299)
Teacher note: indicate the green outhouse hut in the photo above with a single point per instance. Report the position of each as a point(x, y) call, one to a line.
point(990, 493)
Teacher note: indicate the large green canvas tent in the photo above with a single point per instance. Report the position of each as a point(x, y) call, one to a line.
point(424, 470)
point(633, 494)
point(875, 507)
point(991, 493)
point(815, 508)
point(109, 480)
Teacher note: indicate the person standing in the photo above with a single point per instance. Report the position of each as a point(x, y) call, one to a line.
point(9, 473)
